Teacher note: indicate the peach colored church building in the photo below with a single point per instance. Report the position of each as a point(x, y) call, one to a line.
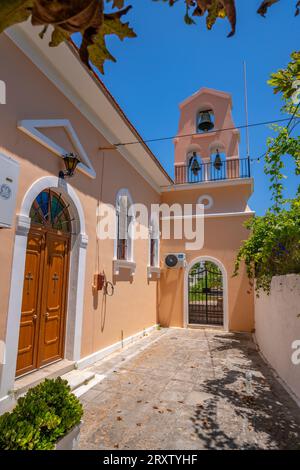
point(67, 297)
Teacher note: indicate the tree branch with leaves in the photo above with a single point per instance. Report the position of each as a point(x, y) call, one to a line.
point(97, 19)
point(285, 144)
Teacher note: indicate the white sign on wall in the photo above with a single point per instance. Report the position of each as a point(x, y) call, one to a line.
point(9, 176)
point(2, 92)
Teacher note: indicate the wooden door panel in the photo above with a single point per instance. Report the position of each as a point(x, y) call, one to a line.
point(53, 305)
point(29, 322)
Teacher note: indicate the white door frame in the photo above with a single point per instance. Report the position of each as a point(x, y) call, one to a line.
point(75, 303)
point(186, 288)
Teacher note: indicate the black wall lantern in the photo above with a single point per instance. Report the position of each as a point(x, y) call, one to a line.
point(71, 161)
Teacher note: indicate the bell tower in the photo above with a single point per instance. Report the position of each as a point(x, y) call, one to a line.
point(210, 172)
point(207, 142)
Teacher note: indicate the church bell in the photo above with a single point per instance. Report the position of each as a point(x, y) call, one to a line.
point(205, 123)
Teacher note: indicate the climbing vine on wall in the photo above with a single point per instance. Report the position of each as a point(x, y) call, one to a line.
point(273, 247)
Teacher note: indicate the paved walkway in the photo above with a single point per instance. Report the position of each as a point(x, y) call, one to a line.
point(189, 389)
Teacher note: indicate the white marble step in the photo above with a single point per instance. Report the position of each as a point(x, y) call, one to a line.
point(57, 369)
point(78, 378)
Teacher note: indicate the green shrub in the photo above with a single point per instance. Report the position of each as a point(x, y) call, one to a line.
point(46, 413)
point(273, 247)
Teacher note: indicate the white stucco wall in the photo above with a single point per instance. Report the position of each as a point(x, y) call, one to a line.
point(277, 327)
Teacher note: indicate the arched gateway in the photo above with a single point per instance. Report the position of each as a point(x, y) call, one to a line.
point(44, 300)
point(205, 294)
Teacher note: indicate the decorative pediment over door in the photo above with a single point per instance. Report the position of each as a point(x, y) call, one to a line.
point(34, 128)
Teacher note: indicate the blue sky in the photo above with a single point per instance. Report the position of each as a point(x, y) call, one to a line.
point(169, 61)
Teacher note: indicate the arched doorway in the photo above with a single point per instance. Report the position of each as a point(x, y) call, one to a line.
point(44, 300)
point(205, 294)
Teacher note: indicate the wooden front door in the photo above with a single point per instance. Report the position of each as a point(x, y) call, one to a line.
point(43, 313)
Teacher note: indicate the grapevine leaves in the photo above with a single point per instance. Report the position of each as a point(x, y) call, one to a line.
point(70, 16)
point(14, 11)
point(220, 9)
point(89, 18)
point(112, 24)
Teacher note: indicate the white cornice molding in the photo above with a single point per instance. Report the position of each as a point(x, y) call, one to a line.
point(209, 184)
point(207, 216)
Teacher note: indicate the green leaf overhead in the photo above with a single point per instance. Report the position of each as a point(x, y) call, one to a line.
point(285, 80)
point(112, 24)
point(70, 16)
point(96, 19)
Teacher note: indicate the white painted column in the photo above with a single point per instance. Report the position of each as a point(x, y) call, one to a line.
point(83, 242)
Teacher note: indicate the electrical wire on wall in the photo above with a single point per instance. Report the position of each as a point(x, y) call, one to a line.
point(100, 281)
point(99, 201)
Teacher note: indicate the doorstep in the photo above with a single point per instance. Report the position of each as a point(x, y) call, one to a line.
point(51, 371)
point(199, 326)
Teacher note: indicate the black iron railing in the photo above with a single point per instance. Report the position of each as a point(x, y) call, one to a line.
point(227, 170)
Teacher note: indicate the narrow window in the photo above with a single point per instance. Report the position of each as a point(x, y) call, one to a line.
point(154, 244)
point(124, 219)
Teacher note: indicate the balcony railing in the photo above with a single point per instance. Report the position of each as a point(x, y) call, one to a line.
point(228, 170)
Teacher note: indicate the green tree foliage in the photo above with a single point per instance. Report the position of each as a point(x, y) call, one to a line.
point(285, 144)
point(273, 247)
point(97, 19)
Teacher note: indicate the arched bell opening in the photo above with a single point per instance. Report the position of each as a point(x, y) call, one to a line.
point(205, 121)
point(218, 166)
point(218, 161)
point(195, 173)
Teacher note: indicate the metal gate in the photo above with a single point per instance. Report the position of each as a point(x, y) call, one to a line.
point(205, 294)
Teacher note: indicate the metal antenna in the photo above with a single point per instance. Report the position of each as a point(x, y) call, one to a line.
point(246, 109)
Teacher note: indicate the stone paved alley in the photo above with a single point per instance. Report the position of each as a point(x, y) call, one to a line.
point(188, 389)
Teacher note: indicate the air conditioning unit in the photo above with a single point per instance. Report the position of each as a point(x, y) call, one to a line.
point(175, 260)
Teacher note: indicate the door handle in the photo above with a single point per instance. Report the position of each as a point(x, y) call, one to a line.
point(34, 317)
point(47, 315)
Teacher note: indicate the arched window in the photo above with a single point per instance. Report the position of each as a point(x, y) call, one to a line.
point(125, 221)
point(205, 121)
point(49, 211)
